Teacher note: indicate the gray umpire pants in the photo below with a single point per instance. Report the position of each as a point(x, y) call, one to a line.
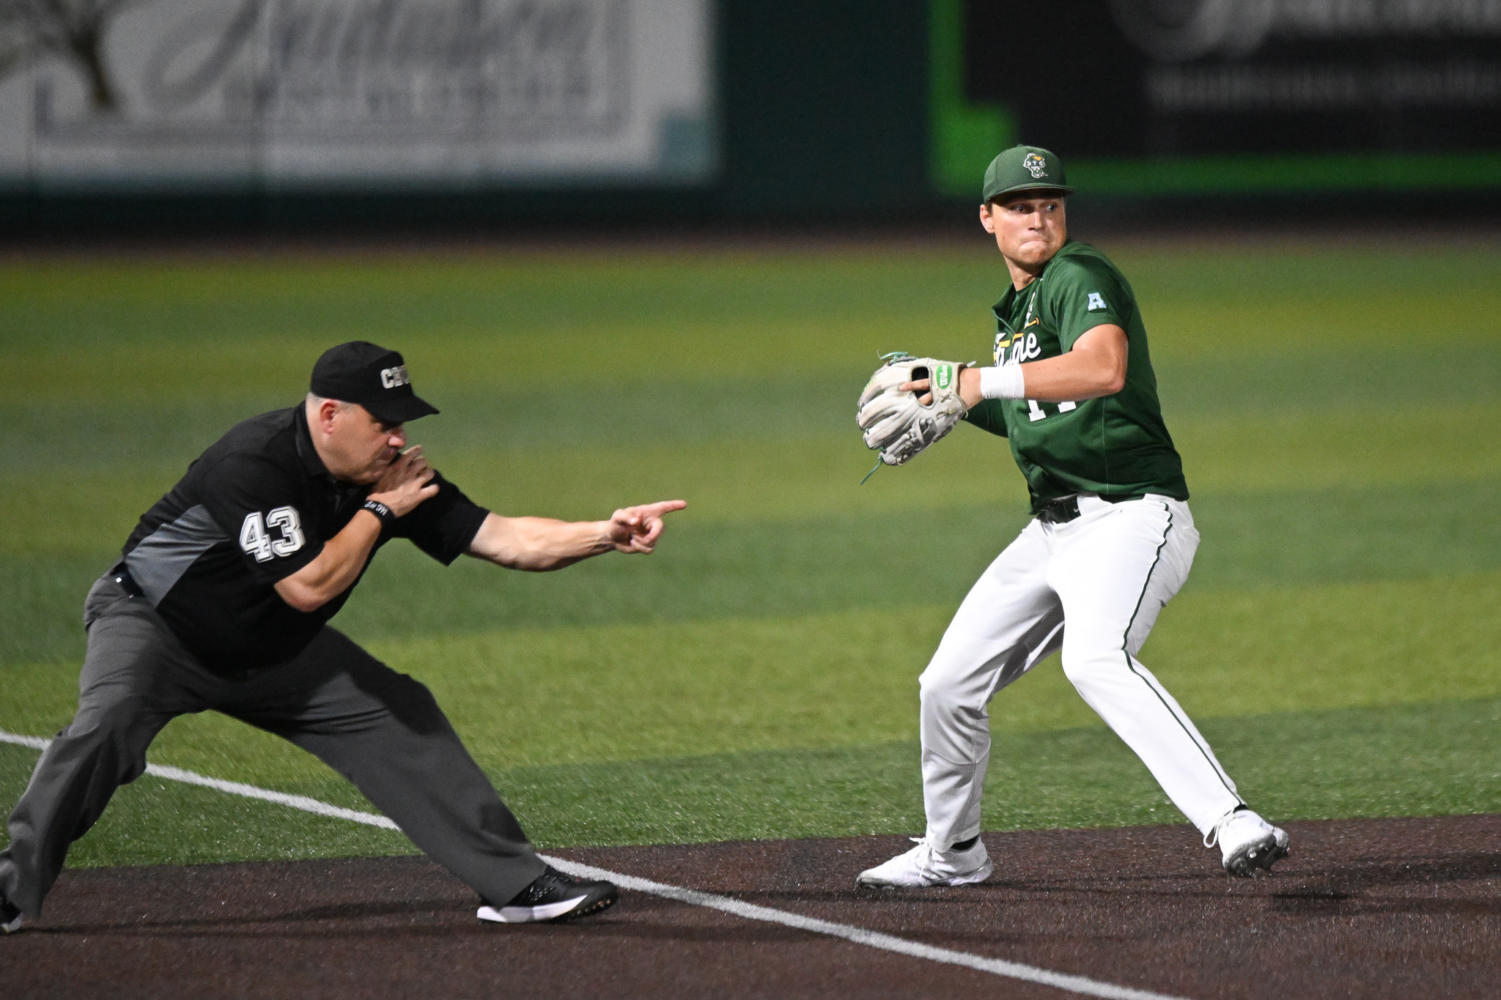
point(380, 729)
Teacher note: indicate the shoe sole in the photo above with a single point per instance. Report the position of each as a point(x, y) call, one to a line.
point(969, 878)
point(1257, 857)
point(559, 912)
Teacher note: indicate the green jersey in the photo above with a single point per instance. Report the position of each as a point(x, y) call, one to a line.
point(1116, 446)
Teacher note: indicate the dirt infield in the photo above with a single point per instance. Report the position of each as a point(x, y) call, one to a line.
point(1405, 908)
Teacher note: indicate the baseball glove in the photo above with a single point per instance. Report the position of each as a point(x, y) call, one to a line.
point(897, 424)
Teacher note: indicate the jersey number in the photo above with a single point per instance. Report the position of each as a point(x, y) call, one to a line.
point(1035, 413)
point(256, 533)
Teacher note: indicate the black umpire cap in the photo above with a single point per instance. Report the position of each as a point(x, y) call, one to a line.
point(372, 376)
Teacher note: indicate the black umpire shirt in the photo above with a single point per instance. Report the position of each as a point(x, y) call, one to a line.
point(257, 506)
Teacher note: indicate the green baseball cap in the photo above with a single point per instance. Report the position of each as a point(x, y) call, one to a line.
point(1024, 168)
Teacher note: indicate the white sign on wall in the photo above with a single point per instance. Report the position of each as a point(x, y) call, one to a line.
point(288, 93)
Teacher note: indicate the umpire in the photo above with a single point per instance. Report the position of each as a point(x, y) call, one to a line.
point(222, 599)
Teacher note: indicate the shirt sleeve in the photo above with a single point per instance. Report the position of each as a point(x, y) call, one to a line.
point(444, 524)
point(1089, 293)
point(261, 509)
point(988, 415)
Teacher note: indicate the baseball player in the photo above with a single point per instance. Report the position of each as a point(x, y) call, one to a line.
point(1110, 541)
point(222, 599)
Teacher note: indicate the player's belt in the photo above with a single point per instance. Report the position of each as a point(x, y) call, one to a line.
point(121, 575)
point(1066, 509)
point(1059, 511)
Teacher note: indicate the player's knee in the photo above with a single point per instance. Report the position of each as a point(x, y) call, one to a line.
point(934, 691)
point(943, 700)
point(1088, 668)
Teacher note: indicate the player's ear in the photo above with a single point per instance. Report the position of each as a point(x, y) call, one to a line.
point(986, 221)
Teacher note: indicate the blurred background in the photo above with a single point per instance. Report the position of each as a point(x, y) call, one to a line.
point(493, 117)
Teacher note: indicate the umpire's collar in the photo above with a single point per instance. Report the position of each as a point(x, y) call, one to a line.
point(306, 453)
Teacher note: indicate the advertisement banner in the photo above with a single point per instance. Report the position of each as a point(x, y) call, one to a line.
point(1244, 93)
point(284, 94)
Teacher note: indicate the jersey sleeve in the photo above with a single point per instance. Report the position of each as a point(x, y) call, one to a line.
point(1086, 293)
point(261, 508)
point(444, 524)
point(988, 415)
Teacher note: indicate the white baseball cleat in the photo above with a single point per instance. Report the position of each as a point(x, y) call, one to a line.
point(1249, 845)
point(924, 866)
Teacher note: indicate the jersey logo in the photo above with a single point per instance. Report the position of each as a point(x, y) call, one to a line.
point(1016, 348)
point(1096, 301)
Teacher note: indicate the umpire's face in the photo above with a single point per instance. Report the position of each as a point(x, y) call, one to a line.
point(1029, 228)
point(357, 447)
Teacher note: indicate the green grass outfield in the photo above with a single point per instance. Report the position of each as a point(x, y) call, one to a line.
point(1337, 405)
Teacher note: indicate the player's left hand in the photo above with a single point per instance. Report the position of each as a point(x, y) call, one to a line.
point(908, 405)
point(636, 529)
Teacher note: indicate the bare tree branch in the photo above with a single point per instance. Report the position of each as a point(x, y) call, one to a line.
point(71, 29)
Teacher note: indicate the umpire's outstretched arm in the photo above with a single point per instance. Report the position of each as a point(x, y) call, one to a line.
point(542, 543)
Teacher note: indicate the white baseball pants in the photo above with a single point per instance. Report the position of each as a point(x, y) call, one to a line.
point(1091, 587)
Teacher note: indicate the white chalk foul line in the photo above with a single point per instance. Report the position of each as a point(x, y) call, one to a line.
point(301, 802)
point(859, 935)
point(749, 911)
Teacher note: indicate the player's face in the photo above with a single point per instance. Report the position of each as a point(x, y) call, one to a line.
point(364, 446)
point(1028, 228)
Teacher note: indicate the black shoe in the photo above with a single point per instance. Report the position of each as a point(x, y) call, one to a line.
point(552, 896)
point(10, 917)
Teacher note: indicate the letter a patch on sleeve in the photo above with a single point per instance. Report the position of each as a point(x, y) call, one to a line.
point(1096, 301)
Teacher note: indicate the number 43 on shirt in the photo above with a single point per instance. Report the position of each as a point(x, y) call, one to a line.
point(278, 533)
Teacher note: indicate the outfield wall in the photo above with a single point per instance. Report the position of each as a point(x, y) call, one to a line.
point(285, 115)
